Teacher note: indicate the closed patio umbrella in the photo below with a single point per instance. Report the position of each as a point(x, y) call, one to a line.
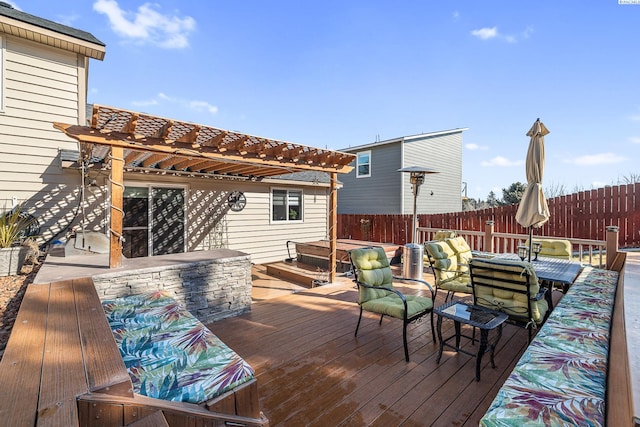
point(533, 210)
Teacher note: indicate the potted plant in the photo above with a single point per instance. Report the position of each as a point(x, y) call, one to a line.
point(14, 227)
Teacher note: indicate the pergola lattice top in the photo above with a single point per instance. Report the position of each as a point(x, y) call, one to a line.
point(152, 142)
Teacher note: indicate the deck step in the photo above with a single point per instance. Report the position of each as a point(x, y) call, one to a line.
point(296, 272)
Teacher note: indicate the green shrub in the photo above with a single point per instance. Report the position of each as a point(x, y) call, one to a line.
point(13, 226)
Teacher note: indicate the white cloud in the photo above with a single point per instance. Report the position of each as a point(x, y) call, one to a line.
point(598, 184)
point(162, 98)
point(635, 139)
point(485, 33)
point(502, 162)
point(203, 106)
point(474, 147)
point(596, 159)
point(147, 25)
point(456, 15)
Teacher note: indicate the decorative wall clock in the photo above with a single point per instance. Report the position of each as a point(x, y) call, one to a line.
point(236, 201)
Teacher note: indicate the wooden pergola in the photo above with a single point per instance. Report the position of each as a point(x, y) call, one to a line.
point(135, 142)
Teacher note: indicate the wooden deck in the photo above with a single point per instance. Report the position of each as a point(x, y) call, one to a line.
point(313, 371)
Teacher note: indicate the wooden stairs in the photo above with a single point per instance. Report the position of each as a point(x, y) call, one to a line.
point(297, 272)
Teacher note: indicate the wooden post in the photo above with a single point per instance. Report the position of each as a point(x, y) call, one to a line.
point(488, 236)
point(333, 226)
point(116, 211)
point(612, 244)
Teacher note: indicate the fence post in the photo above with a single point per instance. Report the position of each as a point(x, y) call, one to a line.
point(612, 244)
point(488, 236)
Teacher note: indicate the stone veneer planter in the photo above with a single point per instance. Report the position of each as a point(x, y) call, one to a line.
point(11, 260)
point(210, 289)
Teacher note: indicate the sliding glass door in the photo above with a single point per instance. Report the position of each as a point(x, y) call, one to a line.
point(154, 221)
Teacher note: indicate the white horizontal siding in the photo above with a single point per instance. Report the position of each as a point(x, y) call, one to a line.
point(41, 86)
point(13, 150)
point(250, 230)
point(18, 88)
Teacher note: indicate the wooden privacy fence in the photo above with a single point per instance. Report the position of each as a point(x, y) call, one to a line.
point(583, 215)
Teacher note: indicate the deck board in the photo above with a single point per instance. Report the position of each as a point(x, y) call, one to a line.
point(313, 371)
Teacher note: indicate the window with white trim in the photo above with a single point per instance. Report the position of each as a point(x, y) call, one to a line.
point(363, 164)
point(286, 205)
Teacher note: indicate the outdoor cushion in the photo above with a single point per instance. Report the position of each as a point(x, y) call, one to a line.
point(554, 248)
point(373, 269)
point(561, 377)
point(391, 305)
point(444, 234)
point(445, 261)
point(462, 250)
point(170, 354)
point(449, 276)
point(515, 304)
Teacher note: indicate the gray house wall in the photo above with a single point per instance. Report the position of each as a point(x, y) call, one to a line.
point(442, 153)
point(388, 191)
point(378, 193)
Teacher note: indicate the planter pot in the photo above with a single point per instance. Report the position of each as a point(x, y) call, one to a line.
point(11, 260)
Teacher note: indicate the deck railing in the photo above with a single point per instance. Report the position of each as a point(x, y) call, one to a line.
point(588, 251)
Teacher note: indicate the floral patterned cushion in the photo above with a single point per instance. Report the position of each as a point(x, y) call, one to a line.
point(561, 378)
point(170, 354)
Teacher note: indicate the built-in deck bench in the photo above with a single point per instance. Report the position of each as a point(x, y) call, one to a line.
point(573, 372)
point(62, 367)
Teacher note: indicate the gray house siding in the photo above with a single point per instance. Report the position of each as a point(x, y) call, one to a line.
point(443, 154)
point(378, 193)
point(388, 191)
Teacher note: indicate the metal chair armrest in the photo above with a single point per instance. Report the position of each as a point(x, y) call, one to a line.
point(395, 291)
point(407, 279)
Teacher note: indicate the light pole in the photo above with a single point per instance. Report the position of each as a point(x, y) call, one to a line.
point(413, 252)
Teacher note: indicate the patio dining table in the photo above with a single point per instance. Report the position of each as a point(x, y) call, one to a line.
point(555, 270)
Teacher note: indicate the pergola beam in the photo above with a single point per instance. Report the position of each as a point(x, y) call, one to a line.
point(116, 139)
point(162, 144)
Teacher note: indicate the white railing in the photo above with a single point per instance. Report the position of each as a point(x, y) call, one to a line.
point(587, 251)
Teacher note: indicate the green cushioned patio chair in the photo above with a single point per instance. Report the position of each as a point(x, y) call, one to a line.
point(511, 287)
point(376, 293)
point(449, 274)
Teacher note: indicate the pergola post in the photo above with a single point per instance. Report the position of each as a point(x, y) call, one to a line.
point(116, 208)
point(333, 225)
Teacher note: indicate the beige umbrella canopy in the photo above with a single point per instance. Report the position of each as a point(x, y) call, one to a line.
point(533, 210)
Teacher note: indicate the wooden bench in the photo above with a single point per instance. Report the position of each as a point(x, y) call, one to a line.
point(576, 368)
point(62, 367)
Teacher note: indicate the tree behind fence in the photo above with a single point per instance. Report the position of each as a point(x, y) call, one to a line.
point(583, 215)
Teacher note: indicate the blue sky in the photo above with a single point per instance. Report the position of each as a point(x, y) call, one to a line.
point(343, 73)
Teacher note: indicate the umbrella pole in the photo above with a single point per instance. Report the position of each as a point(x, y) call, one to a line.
point(530, 241)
